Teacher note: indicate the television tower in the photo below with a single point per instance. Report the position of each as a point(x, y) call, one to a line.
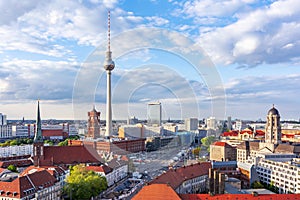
point(109, 65)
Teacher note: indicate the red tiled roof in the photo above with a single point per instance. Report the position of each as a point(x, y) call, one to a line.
point(231, 133)
point(240, 197)
point(2, 169)
point(218, 143)
point(246, 131)
point(259, 133)
point(17, 163)
point(53, 170)
point(58, 155)
point(17, 188)
point(175, 177)
point(156, 192)
point(103, 168)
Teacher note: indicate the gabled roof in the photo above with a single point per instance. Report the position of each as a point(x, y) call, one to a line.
point(156, 192)
point(175, 177)
point(26, 185)
point(53, 170)
point(17, 163)
point(103, 168)
point(116, 163)
point(59, 155)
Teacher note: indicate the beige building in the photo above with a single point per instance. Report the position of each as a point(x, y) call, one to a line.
point(221, 151)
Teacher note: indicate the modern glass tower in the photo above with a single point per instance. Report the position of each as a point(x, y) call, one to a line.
point(154, 113)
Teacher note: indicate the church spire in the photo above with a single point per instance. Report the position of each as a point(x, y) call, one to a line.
point(38, 132)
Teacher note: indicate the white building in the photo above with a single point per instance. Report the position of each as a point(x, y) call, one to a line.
point(239, 125)
point(131, 131)
point(191, 124)
point(152, 130)
point(170, 128)
point(120, 169)
point(16, 150)
point(104, 171)
point(23, 131)
point(211, 123)
point(283, 175)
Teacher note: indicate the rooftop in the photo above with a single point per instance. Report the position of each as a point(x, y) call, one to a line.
point(156, 192)
point(175, 177)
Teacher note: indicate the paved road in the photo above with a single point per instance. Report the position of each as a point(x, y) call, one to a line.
point(153, 162)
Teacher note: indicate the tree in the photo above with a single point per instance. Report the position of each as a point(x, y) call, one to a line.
point(84, 184)
point(49, 142)
point(257, 185)
point(207, 141)
point(196, 151)
point(63, 143)
point(12, 168)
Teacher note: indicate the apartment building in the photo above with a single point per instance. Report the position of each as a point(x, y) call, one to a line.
point(284, 175)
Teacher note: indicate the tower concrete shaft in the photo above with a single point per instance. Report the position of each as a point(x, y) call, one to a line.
point(108, 105)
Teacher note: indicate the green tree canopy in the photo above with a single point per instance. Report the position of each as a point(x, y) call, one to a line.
point(207, 141)
point(63, 143)
point(12, 168)
point(257, 185)
point(84, 184)
point(196, 151)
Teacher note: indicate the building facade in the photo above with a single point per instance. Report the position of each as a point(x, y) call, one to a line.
point(221, 151)
point(283, 175)
point(154, 114)
point(93, 124)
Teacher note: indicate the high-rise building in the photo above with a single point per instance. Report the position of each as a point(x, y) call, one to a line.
point(93, 124)
point(191, 124)
point(154, 113)
point(211, 123)
point(229, 124)
point(5, 129)
point(109, 65)
point(3, 119)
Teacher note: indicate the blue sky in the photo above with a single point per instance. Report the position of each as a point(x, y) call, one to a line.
point(199, 58)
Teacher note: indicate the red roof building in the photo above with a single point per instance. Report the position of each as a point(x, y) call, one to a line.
point(193, 174)
point(36, 185)
point(156, 192)
point(67, 155)
point(165, 192)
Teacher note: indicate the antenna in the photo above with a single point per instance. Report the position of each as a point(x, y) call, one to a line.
point(108, 31)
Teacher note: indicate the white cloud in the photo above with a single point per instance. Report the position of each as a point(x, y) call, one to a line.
point(270, 29)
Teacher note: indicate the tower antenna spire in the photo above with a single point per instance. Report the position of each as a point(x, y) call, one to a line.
point(108, 31)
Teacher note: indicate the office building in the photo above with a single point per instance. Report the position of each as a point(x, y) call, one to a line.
point(191, 124)
point(211, 123)
point(154, 114)
point(5, 129)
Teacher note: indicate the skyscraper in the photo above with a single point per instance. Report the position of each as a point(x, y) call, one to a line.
point(109, 65)
point(154, 113)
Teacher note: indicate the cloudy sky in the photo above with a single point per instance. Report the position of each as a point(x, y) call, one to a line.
point(199, 58)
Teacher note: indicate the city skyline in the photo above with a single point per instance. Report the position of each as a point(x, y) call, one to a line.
point(252, 44)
